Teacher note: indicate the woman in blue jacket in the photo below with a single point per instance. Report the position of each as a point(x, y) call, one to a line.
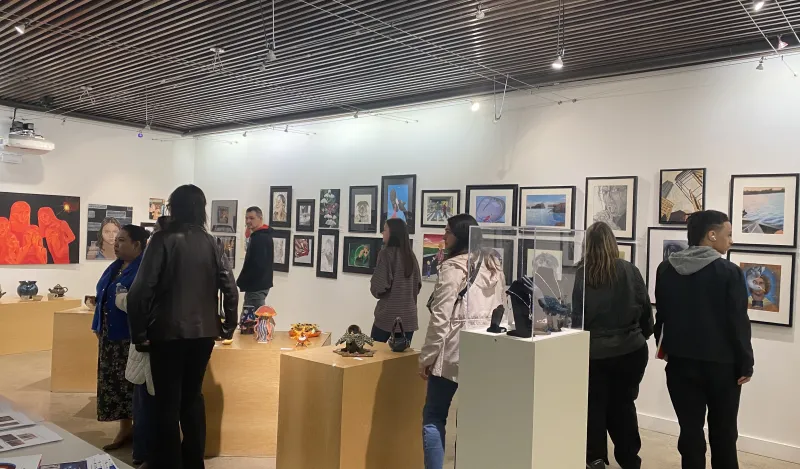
point(110, 324)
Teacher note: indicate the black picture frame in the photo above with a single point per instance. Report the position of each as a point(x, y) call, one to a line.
point(793, 256)
point(507, 245)
point(635, 181)
point(322, 238)
point(423, 209)
point(648, 270)
point(662, 200)
point(736, 223)
point(572, 191)
point(410, 212)
point(286, 236)
point(374, 245)
point(311, 241)
point(513, 191)
point(330, 206)
point(306, 227)
point(372, 193)
point(273, 220)
point(632, 260)
point(566, 246)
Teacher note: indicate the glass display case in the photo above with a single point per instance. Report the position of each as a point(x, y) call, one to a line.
point(541, 272)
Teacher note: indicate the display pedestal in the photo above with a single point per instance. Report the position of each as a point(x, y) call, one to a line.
point(522, 403)
point(74, 363)
point(350, 413)
point(241, 394)
point(28, 325)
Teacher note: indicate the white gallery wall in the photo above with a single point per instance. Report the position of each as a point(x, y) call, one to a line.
point(729, 119)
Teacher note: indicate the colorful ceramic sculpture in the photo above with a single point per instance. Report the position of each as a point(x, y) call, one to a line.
point(90, 301)
point(265, 324)
point(354, 342)
point(310, 330)
point(302, 340)
point(557, 313)
point(58, 291)
point(247, 322)
point(27, 289)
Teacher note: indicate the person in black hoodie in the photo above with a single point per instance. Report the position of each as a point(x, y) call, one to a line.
point(617, 312)
point(704, 334)
point(255, 279)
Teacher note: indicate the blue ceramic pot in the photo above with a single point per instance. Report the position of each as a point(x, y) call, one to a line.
point(27, 288)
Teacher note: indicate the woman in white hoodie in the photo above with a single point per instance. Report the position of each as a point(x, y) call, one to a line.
point(451, 313)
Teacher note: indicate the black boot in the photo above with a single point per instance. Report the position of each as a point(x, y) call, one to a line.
point(599, 464)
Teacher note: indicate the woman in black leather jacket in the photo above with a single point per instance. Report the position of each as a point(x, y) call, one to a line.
point(173, 307)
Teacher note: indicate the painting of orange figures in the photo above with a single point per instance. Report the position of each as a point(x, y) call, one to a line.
point(39, 229)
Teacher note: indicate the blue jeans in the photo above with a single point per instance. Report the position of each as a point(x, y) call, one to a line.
point(143, 431)
point(434, 418)
point(379, 335)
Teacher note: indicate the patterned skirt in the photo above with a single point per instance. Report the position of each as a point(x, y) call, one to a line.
point(114, 392)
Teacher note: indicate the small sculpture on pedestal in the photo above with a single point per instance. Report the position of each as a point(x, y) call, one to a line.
point(497, 316)
point(57, 292)
point(557, 313)
point(265, 324)
point(247, 321)
point(27, 289)
point(302, 340)
point(354, 342)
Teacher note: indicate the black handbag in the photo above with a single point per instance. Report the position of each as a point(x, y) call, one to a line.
point(398, 343)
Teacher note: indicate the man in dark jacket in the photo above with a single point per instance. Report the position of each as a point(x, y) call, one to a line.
point(255, 279)
point(704, 331)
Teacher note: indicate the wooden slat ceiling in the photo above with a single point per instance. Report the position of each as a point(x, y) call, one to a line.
point(146, 58)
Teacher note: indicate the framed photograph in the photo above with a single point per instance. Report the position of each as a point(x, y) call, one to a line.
point(223, 216)
point(157, 208)
point(327, 253)
point(399, 199)
point(547, 206)
point(553, 254)
point(329, 206)
point(763, 210)
point(227, 244)
point(613, 200)
point(769, 278)
point(438, 206)
point(682, 192)
point(361, 254)
point(364, 209)
point(662, 243)
point(432, 256)
point(627, 252)
point(303, 251)
point(493, 205)
point(305, 215)
point(102, 228)
point(281, 249)
point(280, 206)
point(503, 250)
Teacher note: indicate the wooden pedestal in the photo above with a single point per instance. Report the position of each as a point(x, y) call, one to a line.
point(241, 394)
point(350, 413)
point(74, 364)
point(28, 325)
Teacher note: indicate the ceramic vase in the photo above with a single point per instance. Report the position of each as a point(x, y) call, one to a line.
point(261, 331)
point(27, 288)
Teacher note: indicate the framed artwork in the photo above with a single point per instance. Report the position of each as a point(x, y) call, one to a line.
point(157, 208)
point(627, 252)
point(305, 215)
point(149, 226)
point(39, 229)
point(612, 200)
point(361, 254)
point(438, 206)
point(327, 253)
point(280, 206)
point(227, 245)
point(399, 199)
point(763, 210)
point(363, 209)
point(681, 193)
point(223, 216)
point(503, 250)
point(662, 243)
point(537, 255)
point(329, 206)
point(280, 246)
point(432, 256)
point(102, 227)
point(493, 205)
point(548, 206)
point(769, 278)
point(303, 253)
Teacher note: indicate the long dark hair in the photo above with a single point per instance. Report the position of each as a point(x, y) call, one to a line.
point(398, 238)
point(187, 206)
point(600, 255)
point(460, 228)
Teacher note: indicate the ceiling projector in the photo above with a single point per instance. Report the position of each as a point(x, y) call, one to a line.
point(22, 140)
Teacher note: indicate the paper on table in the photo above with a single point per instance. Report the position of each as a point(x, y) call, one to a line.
point(10, 419)
point(101, 461)
point(25, 437)
point(22, 462)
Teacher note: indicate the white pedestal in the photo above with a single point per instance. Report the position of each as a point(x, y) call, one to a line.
point(522, 403)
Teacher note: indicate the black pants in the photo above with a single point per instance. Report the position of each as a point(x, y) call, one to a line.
point(379, 335)
point(613, 388)
point(695, 386)
point(178, 367)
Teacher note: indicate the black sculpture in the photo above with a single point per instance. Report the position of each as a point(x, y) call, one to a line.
point(521, 296)
point(497, 316)
point(354, 342)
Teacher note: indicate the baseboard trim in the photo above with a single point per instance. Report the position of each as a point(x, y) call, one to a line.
point(748, 444)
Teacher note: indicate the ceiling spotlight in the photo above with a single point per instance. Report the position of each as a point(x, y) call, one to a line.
point(480, 14)
point(271, 57)
point(760, 65)
point(558, 64)
point(782, 44)
point(244, 134)
point(758, 4)
point(475, 106)
point(21, 27)
point(355, 115)
point(286, 129)
point(147, 127)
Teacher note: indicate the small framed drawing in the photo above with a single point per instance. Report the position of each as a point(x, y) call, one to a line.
point(364, 209)
point(662, 243)
point(281, 250)
point(361, 254)
point(305, 215)
point(329, 206)
point(612, 200)
point(769, 278)
point(438, 206)
point(503, 250)
point(432, 255)
point(303, 251)
point(227, 245)
point(681, 193)
point(763, 210)
point(280, 207)
point(493, 205)
point(547, 206)
point(399, 199)
point(627, 252)
point(223, 216)
point(327, 253)
point(537, 255)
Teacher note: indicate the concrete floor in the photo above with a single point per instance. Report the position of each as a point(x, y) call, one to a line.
point(25, 379)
